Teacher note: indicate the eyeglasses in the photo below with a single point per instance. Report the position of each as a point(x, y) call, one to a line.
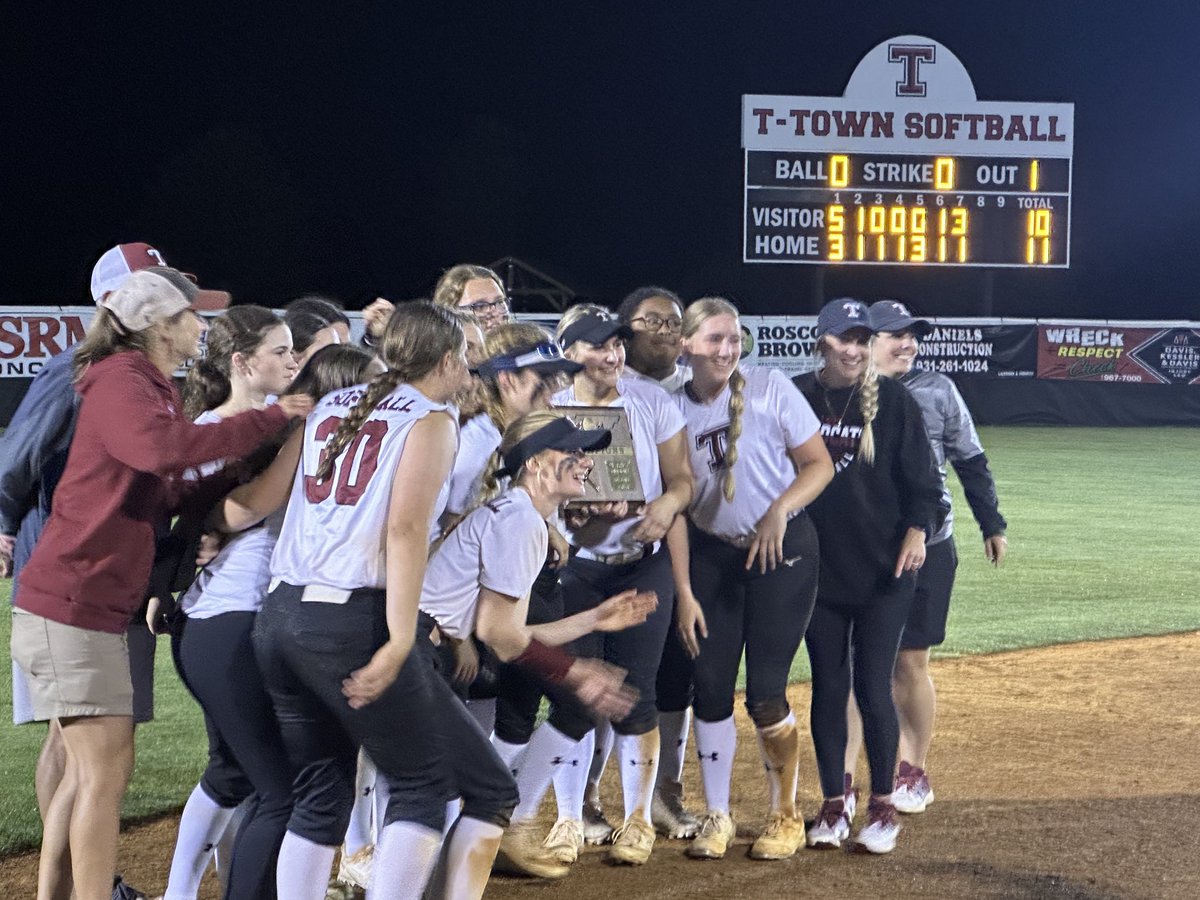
point(655, 323)
point(482, 307)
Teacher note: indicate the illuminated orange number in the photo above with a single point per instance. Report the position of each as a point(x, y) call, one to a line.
point(943, 174)
point(897, 216)
point(878, 220)
point(1037, 227)
point(839, 171)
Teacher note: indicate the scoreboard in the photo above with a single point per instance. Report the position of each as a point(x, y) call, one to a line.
point(907, 169)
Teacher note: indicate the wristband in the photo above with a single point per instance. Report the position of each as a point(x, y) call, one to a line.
point(550, 663)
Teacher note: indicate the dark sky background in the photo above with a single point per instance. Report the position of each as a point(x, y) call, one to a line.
point(359, 148)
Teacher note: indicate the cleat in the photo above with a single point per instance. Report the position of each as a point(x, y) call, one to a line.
point(714, 837)
point(596, 829)
point(521, 853)
point(565, 840)
point(355, 870)
point(668, 814)
point(913, 792)
point(879, 834)
point(782, 837)
point(632, 843)
point(831, 827)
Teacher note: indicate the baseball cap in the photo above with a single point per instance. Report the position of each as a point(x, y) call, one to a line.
point(561, 434)
point(545, 358)
point(893, 316)
point(594, 329)
point(150, 295)
point(117, 263)
point(844, 314)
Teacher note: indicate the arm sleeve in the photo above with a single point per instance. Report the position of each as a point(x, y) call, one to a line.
point(142, 431)
point(922, 504)
point(512, 550)
point(41, 424)
point(980, 489)
point(798, 420)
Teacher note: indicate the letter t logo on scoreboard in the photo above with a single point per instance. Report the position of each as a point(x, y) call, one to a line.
point(907, 168)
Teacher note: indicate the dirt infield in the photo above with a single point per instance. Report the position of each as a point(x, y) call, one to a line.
point(1065, 772)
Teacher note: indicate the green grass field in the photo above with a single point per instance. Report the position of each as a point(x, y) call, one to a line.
point(1103, 544)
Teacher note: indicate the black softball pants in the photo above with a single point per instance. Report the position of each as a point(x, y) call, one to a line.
point(518, 692)
point(586, 584)
point(216, 657)
point(418, 734)
point(764, 614)
point(871, 630)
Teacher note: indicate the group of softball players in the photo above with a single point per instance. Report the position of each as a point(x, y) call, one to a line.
point(390, 589)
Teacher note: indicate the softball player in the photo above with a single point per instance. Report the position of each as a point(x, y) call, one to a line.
point(615, 552)
point(759, 460)
point(873, 519)
point(952, 434)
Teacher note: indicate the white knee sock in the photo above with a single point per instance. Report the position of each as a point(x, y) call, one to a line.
point(673, 736)
point(380, 795)
point(512, 754)
point(716, 743)
point(453, 808)
point(548, 749)
point(200, 829)
point(360, 831)
point(571, 779)
point(604, 736)
point(638, 755)
point(404, 860)
point(469, 858)
point(304, 868)
point(483, 712)
point(223, 854)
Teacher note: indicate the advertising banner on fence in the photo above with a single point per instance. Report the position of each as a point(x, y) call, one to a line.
point(1116, 353)
point(986, 351)
point(30, 335)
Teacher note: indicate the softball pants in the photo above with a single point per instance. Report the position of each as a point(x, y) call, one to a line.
point(519, 693)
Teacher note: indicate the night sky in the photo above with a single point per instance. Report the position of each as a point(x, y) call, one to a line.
point(358, 149)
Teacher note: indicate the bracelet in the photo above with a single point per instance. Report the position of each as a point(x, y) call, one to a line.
point(550, 663)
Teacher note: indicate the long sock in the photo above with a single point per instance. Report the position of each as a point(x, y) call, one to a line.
point(469, 858)
point(571, 780)
point(223, 853)
point(404, 860)
point(512, 754)
point(716, 743)
point(453, 808)
point(360, 831)
point(200, 829)
point(483, 712)
point(672, 743)
point(779, 745)
point(304, 868)
point(638, 755)
point(602, 751)
point(380, 796)
point(548, 749)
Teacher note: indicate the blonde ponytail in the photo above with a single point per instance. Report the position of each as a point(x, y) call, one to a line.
point(868, 405)
point(737, 406)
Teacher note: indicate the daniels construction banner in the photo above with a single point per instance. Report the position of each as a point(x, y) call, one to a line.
point(1116, 352)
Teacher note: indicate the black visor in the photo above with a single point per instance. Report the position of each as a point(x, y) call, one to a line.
point(561, 434)
point(594, 329)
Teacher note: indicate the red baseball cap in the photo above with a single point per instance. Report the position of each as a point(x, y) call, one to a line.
point(117, 263)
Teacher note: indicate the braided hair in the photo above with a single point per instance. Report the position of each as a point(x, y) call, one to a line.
point(696, 315)
point(868, 405)
point(240, 329)
point(418, 336)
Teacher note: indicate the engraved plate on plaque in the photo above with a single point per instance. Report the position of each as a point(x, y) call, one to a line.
point(615, 476)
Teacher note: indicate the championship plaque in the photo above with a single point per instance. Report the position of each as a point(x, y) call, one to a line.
point(615, 475)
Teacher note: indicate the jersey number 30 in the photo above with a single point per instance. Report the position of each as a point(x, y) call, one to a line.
point(354, 467)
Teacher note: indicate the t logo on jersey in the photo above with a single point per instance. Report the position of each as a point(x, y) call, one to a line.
point(911, 56)
point(716, 442)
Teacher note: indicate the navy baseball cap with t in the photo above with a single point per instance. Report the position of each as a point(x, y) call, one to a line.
point(893, 317)
point(595, 329)
point(844, 314)
point(560, 434)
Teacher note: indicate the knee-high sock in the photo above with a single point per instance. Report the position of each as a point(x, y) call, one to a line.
point(673, 736)
point(549, 751)
point(404, 860)
point(602, 750)
point(571, 779)
point(638, 755)
point(223, 853)
point(716, 743)
point(304, 868)
point(361, 830)
point(469, 858)
point(779, 745)
point(200, 829)
point(512, 754)
point(380, 796)
point(453, 808)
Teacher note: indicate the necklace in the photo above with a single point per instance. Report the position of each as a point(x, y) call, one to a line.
point(845, 409)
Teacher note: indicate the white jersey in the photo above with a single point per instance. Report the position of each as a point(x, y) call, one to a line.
point(335, 530)
point(477, 443)
point(237, 580)
point(653, 419)
point(501, 545)
point(672, 383)
point(776, 419)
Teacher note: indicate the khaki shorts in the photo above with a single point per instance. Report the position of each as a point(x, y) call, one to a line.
point(72, 671)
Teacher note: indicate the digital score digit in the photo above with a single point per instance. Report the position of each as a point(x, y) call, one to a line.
point(929, 178)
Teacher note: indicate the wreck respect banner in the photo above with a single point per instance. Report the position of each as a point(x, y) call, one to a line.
point(1129, 353)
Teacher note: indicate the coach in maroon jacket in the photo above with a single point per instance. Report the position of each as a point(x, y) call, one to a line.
point(88, 573)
